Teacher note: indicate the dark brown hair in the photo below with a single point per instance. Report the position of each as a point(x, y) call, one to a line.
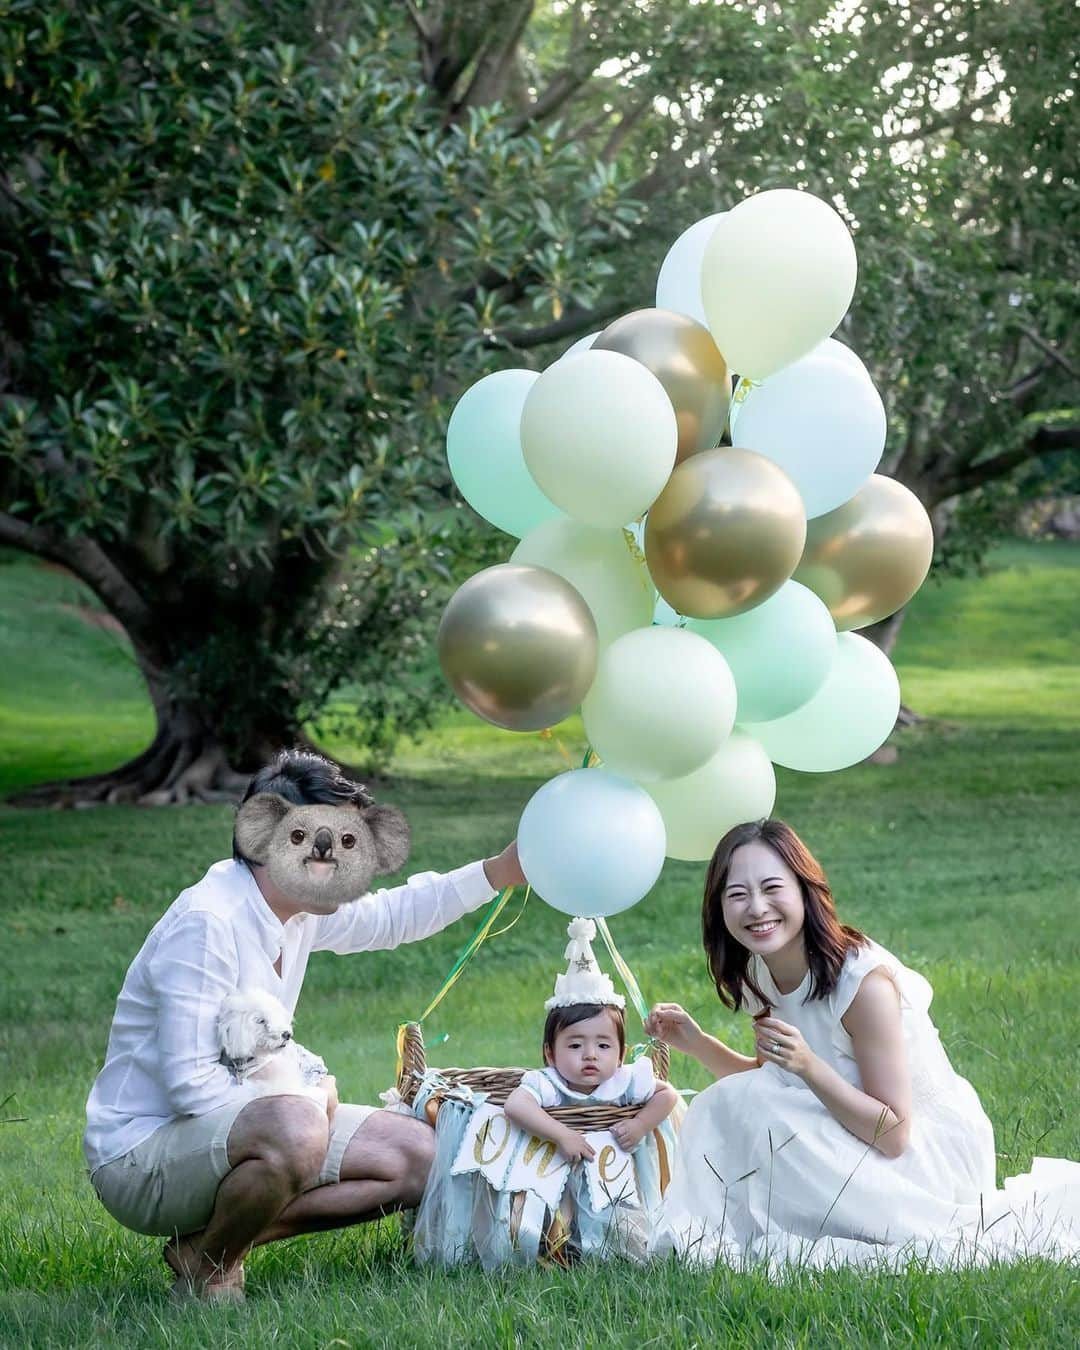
point(828, 941)
point(558, 1019)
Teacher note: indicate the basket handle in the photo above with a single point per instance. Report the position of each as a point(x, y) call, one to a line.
point(413, 1061)
point(661, 1059)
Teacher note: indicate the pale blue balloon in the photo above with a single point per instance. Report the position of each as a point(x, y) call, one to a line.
point(591, 842)
point(483, 445)
point(780, 652)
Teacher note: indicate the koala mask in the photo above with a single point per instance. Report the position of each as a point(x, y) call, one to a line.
point(323, 856)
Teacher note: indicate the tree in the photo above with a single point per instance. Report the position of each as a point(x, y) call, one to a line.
point(252, 253)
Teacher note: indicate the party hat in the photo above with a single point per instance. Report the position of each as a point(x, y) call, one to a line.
point(584, 981)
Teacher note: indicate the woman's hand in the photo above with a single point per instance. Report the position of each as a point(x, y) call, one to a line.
point(780, 1043)
point(672, 1023)
point(574, 1146)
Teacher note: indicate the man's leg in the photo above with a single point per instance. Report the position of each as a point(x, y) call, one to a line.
point(385, 1167)
point(276, 1147)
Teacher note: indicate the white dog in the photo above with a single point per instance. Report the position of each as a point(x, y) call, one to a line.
point(256, 1039)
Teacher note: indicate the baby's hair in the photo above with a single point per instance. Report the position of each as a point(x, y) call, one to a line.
point(558, 1019)
point(304, 778)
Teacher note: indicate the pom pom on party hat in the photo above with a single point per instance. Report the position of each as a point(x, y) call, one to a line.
point(584, 981)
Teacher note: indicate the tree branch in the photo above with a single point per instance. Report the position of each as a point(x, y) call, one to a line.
point(570, 325)
point(1047, 440)
point(88, 561)
point(1048, 348)
point(561, 89)
point(1026, 384)
point(495, 60)
point(417, 20)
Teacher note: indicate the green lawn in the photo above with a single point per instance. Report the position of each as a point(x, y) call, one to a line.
point(961, 857)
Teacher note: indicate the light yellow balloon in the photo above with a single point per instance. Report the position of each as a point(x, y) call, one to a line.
point(778, 276)
point(598, 434)
point(738, 784)
point(600, 564)
point(662, 703)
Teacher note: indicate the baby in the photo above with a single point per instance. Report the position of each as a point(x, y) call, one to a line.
point(605, 1200)
point(584, 1046)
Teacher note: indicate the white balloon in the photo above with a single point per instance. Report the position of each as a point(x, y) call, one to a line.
point(591, 842)
point(600, 565)
point(678, 286)
point(581, 345)
point(599, 436)
point(777, 277)
point(823, 422)
point(840, 352)
point(849, 717)
point(738, 784)
point(662, 703)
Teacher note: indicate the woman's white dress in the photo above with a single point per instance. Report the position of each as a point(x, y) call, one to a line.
point(766, 1173)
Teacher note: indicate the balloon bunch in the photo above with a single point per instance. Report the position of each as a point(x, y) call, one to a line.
point(696, 599)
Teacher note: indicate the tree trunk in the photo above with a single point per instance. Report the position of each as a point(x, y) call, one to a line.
point(193, 757)
point(884, 635)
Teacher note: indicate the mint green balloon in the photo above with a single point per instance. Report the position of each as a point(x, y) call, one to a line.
point(848, 718)
point(780, 652)
point(483, 445)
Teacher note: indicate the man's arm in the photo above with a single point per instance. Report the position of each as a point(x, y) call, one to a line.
point(192, 971)
point(426, 904)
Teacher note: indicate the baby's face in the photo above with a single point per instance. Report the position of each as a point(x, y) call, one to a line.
point(587, 1054)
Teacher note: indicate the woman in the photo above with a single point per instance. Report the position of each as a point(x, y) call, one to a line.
point(849, 1137)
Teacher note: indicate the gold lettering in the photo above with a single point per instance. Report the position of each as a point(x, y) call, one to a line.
point(547, 1152)
point(607, 1154)
point(485, 1135)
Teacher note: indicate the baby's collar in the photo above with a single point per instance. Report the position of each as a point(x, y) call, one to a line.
point(606, 1091)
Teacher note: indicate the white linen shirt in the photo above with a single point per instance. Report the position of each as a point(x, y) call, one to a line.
point(220, 935)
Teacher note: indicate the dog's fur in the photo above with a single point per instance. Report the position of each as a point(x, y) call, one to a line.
point(255, 1035)
point(322, 855)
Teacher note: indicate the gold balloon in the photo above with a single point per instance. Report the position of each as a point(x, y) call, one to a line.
point(518, 644)
point(725, 533)
point(868, 557)
point(686, 361)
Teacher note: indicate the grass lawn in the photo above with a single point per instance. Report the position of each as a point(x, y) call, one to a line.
point(961, 858)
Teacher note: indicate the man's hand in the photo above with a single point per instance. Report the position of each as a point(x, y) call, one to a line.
point(574, 1146)
point(505, 869)
point(329, 1086)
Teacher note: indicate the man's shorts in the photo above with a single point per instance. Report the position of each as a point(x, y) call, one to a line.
point(168, 1183)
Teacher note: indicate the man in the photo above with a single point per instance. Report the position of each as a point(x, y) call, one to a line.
point(175, 1144)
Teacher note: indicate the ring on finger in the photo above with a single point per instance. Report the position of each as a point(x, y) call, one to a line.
point(775, 1047)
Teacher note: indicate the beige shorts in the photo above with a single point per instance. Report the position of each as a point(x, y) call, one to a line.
point(167, 1184)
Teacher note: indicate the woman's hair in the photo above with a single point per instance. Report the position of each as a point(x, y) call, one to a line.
point(828, 941)
point(558, 1019)
point(304, 778)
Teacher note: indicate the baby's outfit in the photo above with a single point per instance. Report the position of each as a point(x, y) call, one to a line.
point(463, 1218)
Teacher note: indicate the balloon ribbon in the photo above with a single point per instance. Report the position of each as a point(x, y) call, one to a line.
point(466, 954)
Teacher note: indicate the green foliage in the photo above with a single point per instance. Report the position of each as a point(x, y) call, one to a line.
point(250, 254)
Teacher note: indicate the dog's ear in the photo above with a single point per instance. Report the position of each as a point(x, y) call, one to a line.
point(256, 821)
point(238, 1031)
point(390, 831)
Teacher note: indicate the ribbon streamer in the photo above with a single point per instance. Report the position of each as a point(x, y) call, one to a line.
point(625, 973)
point(492, 912)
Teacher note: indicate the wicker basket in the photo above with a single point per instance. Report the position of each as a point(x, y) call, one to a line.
point(499, 1083)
